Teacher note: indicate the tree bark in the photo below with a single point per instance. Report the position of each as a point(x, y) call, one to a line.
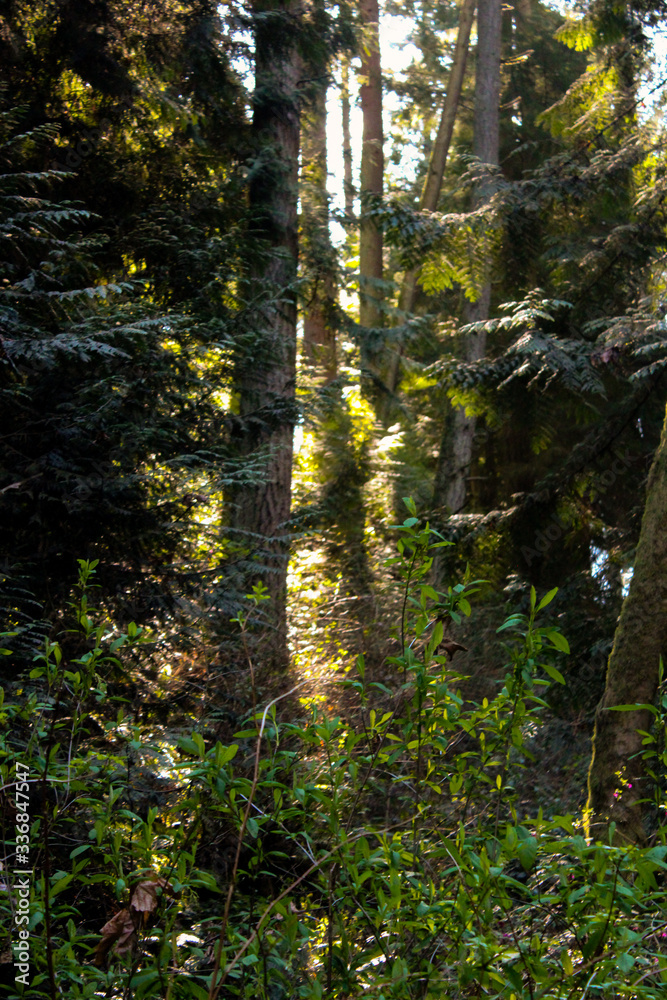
point(436, 168)
point(457, 445)
point(430, 195)
point(616, 779)
point(372, 171)
point(319, 338)
point(265, 375)
point(348, 185)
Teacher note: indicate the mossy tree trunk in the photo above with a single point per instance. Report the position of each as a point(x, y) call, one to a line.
point(616, 780)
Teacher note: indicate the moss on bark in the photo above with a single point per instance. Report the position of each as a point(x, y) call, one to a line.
point(616, 780)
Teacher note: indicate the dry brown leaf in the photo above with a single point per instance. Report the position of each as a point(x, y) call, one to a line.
point(144, 897)
point(119, 933)
point(449, 647)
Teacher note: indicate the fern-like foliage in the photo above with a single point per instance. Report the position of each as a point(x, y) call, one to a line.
point(113, 429)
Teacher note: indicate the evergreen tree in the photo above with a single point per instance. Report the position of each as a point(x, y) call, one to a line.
point(125, 304)
point(97, 402)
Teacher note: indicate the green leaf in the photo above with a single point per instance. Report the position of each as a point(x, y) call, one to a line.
point(199, 877)
point(559, 641)
point(596, 933)
point(554, 674)
point(141, 981)
point(196, 990)
point(436, 638)
point(61, 884)
point(79, 850)
point(547, 599)
point(225, 754)
point(625, 962)
point(633, 708)
point(527, 852)
point(510, 622)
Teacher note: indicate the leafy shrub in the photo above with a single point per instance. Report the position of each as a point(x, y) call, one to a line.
point(382, 854)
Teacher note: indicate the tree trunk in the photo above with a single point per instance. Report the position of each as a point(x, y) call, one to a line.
point(457, 445)
point(319, 338)
point(616, 780)
point(348, 186)
point(372, 170)
point(436, 168)
point(434, 176)
point(265, 376)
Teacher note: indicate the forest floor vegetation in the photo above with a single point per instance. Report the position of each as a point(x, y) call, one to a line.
point(369, 824)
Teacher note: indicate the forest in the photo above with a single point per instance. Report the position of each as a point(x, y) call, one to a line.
point(333, 499)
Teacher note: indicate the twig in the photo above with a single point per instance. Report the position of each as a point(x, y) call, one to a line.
point(214, 991)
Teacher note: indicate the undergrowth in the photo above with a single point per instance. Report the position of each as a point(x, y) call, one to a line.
point(311, 858)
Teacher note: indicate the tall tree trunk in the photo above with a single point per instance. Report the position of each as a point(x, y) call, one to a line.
point(457, 444)
point(616, 780)
point(430, 195)
point(265, 377)
point(319, 337)
point(348, 186)
point(436, 168)
point(372, 170)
